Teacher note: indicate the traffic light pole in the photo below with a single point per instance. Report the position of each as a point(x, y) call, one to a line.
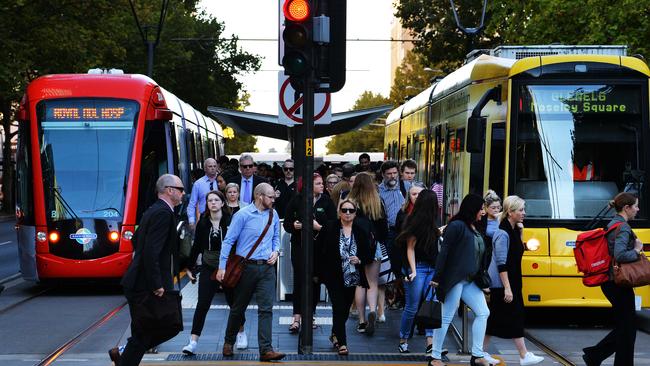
point(305, 344)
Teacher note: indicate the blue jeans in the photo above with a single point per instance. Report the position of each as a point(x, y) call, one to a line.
point(474, 298)
point(413, 294)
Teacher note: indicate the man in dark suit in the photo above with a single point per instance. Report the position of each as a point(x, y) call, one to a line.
point(246, 180)
point(151, 268)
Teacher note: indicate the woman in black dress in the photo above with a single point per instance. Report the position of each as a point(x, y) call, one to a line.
point(506, 301)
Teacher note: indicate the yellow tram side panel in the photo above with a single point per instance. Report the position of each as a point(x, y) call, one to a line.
point(551, 277)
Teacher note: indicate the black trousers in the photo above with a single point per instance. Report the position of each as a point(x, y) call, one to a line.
point(298, 286)
point(207, 289)
point(621, 339)
point(341, 298)
point(140, 341)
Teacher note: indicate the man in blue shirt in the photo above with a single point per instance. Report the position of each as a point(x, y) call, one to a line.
point(258, 277)
point(389, 191)
point(200, 189)
point(247, 181)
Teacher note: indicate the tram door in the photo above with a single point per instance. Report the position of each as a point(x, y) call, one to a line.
point(154, 163)
point(454, 172)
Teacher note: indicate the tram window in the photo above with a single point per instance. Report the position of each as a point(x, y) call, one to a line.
point(191, 148)
point(154, 164)
point(577, 146)
point(497, 158)
point(24, 199)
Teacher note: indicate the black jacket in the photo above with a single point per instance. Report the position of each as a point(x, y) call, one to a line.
point(287, 192)
point(328, 267)
point(155, 244)
point(324, 211)
point(457, 261)
point(202, 236)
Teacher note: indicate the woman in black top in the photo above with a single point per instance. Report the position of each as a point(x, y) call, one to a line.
point(463, 255)
point(624, 247)
point(343, 251)
point(209, 233)
point(233, 204)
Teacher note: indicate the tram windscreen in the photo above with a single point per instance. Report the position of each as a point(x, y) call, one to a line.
point(85, 145)
point(577, 147)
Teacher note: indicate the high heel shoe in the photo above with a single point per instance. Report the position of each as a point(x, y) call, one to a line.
point(479, 361)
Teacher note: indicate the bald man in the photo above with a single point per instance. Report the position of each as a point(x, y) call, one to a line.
point(200, 190)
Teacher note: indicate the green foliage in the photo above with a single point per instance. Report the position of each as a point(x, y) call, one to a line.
point(61, 36)
point(523, 23)
point(411, 78)
point(369, 138)
point(241, 143)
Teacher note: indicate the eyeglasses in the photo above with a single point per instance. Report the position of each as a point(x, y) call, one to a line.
point(249, 166)
point(180, 189)
point(349, 210)
point(271, 196)
point(494, 207)
point(288, 169)
point(332, 182)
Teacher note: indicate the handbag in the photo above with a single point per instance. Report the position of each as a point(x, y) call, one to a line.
point(236, 263)
point(386, 274)
point(632, 274)
point(482, 279)
point(429, 315)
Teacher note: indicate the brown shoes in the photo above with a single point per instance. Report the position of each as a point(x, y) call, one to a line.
point(271, 356)
point(114, 354)
point(227, 350)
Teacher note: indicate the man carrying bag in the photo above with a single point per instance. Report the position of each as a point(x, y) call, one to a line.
point(154, 305)
point(258, 245)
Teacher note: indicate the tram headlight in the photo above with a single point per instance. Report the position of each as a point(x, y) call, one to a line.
point(54, 237)
point(128, 235)
point(532, 244)
point(41, 236)
point(114, 236)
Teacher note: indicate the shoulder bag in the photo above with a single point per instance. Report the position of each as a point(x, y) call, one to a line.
point(236, 263)
point(429, 315)
point(632, 274)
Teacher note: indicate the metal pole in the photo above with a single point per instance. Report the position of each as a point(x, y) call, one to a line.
point(150, 49)
point(305, 345)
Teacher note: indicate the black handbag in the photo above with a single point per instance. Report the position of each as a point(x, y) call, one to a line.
point(429, 315)
point(160, 315)
point(482, 279)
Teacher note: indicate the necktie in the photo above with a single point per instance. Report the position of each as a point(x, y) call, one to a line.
point(211, 189)
point(247, 192)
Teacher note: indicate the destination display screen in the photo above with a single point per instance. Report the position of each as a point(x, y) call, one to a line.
point(580, 99)
point(89, 110)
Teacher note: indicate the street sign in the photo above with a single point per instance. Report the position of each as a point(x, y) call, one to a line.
point(291, 103)
point(309, 147)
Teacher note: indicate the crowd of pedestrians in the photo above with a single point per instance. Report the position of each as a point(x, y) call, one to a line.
point(364, 216)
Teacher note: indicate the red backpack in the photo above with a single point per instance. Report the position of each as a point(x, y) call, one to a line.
point(592, 255)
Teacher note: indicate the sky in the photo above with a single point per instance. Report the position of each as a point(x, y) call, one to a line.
point(367, 63)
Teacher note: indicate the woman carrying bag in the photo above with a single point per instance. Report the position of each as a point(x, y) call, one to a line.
point(624, 247)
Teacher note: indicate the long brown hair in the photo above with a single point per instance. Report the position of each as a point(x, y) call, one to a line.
point(365, 194)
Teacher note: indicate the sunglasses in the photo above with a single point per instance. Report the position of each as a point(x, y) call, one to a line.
point(250, 166)
point(181, 189)
point(348, 210)
point(332, 182)
point(287, 169)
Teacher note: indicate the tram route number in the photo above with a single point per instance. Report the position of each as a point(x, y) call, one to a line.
point(309, 147)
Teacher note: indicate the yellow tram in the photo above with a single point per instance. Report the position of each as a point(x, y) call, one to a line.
point(563, 127)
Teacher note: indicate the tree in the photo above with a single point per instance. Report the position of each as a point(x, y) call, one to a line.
point(59, 36)
point(367, 139)
point(411, 78)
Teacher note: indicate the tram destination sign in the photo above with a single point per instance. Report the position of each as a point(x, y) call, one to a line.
point(547, 99)
point(90, 110)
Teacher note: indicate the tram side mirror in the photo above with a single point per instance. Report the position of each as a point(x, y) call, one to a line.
point(475, 134)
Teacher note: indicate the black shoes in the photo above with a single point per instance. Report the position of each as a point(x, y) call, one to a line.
point(370, 328)
point(589, 361)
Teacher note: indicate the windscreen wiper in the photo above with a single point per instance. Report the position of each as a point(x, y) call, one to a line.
point(64, 203)
point(103, 209)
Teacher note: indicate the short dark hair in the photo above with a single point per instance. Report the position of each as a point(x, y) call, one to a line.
point(222, 160)
point(388, 164)
point(348, 169)
point(364, 156)
point(408, 163)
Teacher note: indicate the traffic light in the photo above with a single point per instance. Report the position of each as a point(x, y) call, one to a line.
point(330, 49)
point(297, 37)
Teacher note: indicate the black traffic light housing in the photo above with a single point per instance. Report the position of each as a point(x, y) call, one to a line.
point(330, 56)
point(298, 43)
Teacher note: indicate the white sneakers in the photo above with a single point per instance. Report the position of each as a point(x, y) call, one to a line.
point(242, 340)
point(530, 359)
point(190, 349)
point(381, 318)
point(491, 360)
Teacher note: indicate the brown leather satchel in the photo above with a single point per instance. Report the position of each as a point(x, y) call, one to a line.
point(633, 274)
point(236, 263)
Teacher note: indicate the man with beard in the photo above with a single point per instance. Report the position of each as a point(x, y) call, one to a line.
point(393, 200)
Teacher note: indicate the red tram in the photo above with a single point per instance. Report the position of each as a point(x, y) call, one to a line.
point(90, 148)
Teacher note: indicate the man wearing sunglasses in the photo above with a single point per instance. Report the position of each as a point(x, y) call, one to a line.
point(285, 188)
point(246, 180)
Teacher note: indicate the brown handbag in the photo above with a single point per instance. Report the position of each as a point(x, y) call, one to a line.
point(633, 274)
point(236, 263)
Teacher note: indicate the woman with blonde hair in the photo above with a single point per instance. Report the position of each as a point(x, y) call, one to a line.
point(371, 209)
point(506, 301)
point(233, 204)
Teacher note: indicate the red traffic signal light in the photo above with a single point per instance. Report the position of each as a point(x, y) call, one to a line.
point(296, 10)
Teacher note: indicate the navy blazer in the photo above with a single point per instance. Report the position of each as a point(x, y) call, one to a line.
point(155, 244)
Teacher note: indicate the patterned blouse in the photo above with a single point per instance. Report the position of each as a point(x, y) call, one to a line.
point(347, 249)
